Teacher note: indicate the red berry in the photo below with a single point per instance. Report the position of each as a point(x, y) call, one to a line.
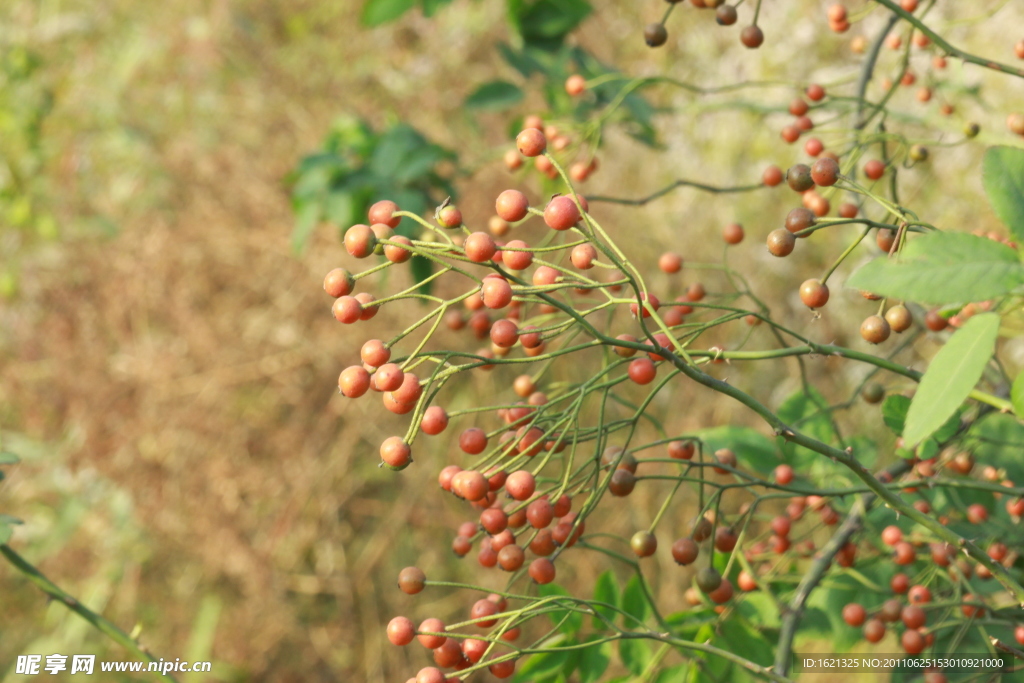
point(473, 441)
point(395, 452)
point(360, 241)
point(854, 614)
point(642, 371)
point(561, 213)
point(575, 85)
point(815, 92)
point(825, 172)
point(411, 580)
point(480, 247)
point(382, 212)
point(530, 142)
point(354, 381)
point(401, 631)
point(784, 474)
point(685, 551)
point(512, 206)
point(752, 37)
point(732, 233)
point(542, 570)
point(874, 630)
point(520, 485)
point(874, 169)
point(511, 557)
point(339, 282)
point(772, 176)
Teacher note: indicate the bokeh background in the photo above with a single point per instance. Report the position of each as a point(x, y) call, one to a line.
point(168, 360)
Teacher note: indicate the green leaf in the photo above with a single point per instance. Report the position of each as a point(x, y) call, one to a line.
point(377, 12)
point(805, 412)
point(635, 654)
point(430, 7)
point(573, 621)
point(606, 589)
point(422, 268)
point(494, 95)
point(741, 638)
point(5, 533)
point(8, 458)
point(306, 218)
point(543, 665)
point(951, 376)
point(1003, 178)
point(594, 661)
point(634, 602)
point(753, 449)
point(1017, 395)
point(998, 440)
point(760, 609)
point(894, 412)
point(942, 268)
point(673, 674)
point(545, 23)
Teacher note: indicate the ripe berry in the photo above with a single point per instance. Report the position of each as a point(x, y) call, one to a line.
point(814, 147)
point(890, 611)
point(382, 211)
point(473, 441)
point(971, 610)
point(431, 625)
point(721, 594)
point(401, 631)
point(480, 247)
point(725, 539)
point(976, 513)
point(531, 142)
point(484, 608)
point(685, 551)
point(781, 242)
point(815, 92)
point(503, 669)
point(622, 483)
point(430, 674)
point(913, 642)
point(799, 219)
point(539, 513)
point(366, 311)
point(388, 377)
point(561, 213)
point(360, 241)
point(339, 282)
point(772, 176)
point(732, 233)
point(520, 485)
point(783, 474)
point(583, 256)
point(935, 322)
point(725, 15)
point(449, 217)
point(681, 450)
point(470, 485)
point(790, 134)
point(874, 329)
point(642, 371)
point(899, 318)
point(496, 292)
point(512, 206)
point(798, 107)
point(655, 35)
point(781, 525)
point(854, 614)
point(904, 553)
point(347, 309)
point(542, 570)
point(752, 37)
point(354, 381)
point(919, 595)
point(799, 178)
point(814, 294)
point(874, 630)
point(504, 334)
point(411, 580)
point(724, 456)
point(395, 452)
point(670, 262)
point(511, 557)
point(643, 543)
point(825, 172)
point(708, 579)
point(575, 85)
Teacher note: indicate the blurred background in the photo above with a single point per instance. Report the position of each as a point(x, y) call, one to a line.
point(168, 359)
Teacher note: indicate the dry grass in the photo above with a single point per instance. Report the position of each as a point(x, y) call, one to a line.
point(172, 387)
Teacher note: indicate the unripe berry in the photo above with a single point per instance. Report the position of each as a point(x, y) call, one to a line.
point(781, 242)
point(655, 35)
point(799, 178)
point(643, 543)
point(874, 329)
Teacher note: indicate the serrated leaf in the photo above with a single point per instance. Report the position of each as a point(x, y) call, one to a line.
point(8, 458)
point(1003, 178)
point(942, 268)
point(377, 12)
point(950, 377)
point(494, 95)
point(1017, 395)
point(634, 602)
point(594, 662)
point(606, 589)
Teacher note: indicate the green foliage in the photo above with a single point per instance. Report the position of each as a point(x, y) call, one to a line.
point(635, 654)
point(546, 23)
point(606, 590)
point(944, 268)
point(494, 95)
point(594, 661)
point(634, 603)
point(807, 412)
point(1017, 395)
point(753, 449)
point(568, 622)
point(358, 166)
point(1003, 177)
point(999, 439)
point(950, 377)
